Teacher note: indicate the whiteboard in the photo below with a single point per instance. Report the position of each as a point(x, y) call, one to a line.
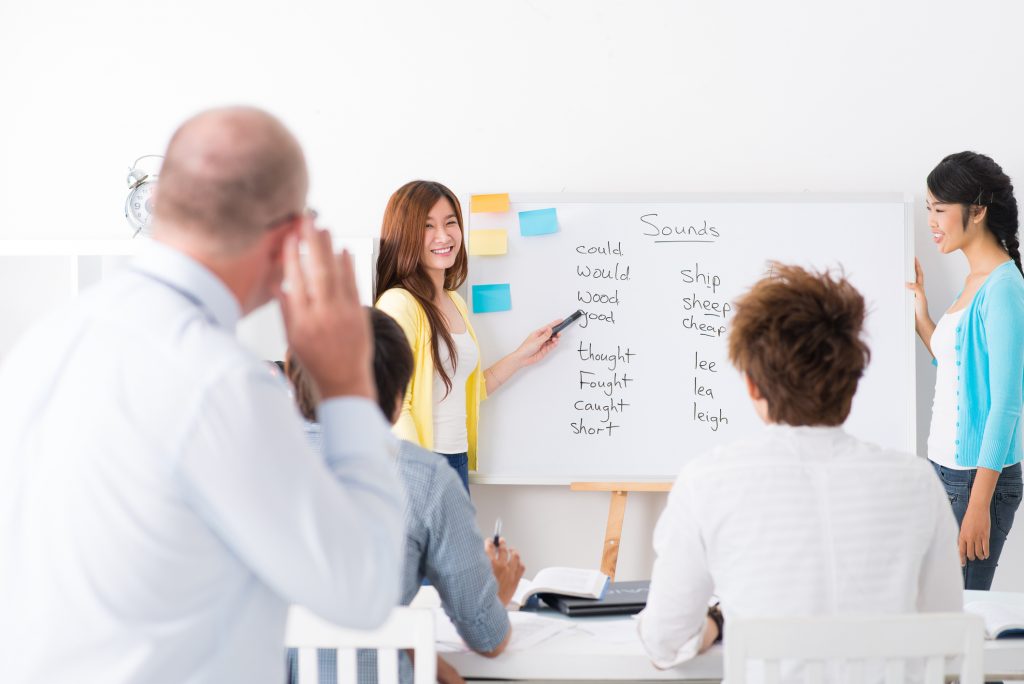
point(645, 384)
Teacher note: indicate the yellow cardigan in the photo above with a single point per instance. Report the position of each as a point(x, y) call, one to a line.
point(416, 423)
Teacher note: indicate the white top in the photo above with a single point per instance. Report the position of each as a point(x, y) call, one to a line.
point(942, 434)
point(798, 521)
point(159, 504)
point(450, 435)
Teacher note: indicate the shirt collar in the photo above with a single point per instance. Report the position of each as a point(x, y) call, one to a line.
point(808, 432)
point(181, 272)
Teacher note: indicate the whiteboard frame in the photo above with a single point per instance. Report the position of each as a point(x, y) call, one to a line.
point(906, 199)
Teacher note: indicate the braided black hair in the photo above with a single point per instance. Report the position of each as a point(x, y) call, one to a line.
point(969, 178)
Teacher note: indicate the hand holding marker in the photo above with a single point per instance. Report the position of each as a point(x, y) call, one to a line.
point(567, 322)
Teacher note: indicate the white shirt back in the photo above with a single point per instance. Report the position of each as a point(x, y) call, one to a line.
point(798, 521)
point(159, 505)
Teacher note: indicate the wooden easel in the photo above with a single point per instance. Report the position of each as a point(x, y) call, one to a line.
point(616, 514)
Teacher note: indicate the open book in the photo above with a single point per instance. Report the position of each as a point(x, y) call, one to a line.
point(1001, 621)
point(566, 581)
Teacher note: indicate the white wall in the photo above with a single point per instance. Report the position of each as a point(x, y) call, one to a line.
point(581, 95)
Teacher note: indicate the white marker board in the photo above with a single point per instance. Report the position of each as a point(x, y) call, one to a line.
point(646, 384)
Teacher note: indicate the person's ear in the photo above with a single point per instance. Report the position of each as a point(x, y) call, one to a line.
point(978, 214)
point(276, 238)
point(752, 389)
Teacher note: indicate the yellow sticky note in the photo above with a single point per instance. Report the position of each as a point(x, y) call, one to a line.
point(488, 203)
point(490, 242)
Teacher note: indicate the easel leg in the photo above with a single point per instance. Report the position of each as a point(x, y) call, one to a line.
point(613, 533)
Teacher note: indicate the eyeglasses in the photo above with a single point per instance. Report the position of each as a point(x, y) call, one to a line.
point(293, 216)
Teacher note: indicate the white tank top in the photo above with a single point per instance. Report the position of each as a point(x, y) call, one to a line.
point(450, 433)
point(942, 435)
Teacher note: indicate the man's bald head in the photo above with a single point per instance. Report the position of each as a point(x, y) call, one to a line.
point(229, 174)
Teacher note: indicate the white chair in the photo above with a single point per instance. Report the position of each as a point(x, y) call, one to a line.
point(406, 628)
point(847, 648)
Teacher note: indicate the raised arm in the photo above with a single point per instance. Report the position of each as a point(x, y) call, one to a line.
point(326, 533)
point(923, 323)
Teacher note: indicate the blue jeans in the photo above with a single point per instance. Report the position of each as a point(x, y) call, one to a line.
point(460, 462)
point(978, 574)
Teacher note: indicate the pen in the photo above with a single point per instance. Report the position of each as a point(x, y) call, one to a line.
point(497, 533)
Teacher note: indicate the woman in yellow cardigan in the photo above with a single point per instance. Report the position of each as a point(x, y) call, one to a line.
point(421, 264)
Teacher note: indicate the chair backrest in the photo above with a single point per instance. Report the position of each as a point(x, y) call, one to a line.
point(853, 648)
point(406, 628)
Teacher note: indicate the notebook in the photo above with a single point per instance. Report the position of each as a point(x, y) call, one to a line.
point(621, 598)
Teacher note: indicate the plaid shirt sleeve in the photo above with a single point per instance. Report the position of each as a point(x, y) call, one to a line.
point(458, 567)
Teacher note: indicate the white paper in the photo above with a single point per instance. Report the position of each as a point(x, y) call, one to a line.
point(617, 631)
point(528, 630)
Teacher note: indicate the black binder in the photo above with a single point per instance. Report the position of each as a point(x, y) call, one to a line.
point(621, 598)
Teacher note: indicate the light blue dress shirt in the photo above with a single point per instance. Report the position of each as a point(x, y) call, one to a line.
point(159, 505)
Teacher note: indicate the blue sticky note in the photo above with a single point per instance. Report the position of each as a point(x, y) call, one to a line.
point(538, 222)
point(491, 298)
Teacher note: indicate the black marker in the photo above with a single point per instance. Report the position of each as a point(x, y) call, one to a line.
point(567, 322)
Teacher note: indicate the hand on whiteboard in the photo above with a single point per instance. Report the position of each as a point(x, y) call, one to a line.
point(507, 568)
point(538, 344)
point(974, 534)
point(327, 328)
point(917, 287)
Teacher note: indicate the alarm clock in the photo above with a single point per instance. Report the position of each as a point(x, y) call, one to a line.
point(138, 208)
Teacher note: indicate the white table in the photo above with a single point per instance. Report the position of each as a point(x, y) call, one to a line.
point(576, 655)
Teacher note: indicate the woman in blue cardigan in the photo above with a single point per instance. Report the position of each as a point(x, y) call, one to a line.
point(978, 346)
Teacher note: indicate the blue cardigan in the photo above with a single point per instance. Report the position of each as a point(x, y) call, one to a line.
point(990, 360)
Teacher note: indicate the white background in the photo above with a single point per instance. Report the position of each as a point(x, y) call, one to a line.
point(575, 95)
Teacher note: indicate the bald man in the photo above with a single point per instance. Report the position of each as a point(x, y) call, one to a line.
point(159, 505)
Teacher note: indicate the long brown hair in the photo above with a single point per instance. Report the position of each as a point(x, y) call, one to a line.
point(398, 264)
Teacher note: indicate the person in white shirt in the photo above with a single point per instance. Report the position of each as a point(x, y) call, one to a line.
point(159, 505)
point(802, 519)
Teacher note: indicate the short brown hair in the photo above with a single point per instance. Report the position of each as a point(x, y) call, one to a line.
point(796, 335)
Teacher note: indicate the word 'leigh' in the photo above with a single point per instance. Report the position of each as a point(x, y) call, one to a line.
point(703, 371)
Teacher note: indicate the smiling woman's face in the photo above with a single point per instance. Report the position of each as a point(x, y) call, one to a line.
point(946, 223)
point(442, 237)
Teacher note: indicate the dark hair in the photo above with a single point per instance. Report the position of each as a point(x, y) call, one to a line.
point(392, 368)
point(306, 395)
point(796, 335)
point(392, 361)
point(972, 179)
point(398, 264)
